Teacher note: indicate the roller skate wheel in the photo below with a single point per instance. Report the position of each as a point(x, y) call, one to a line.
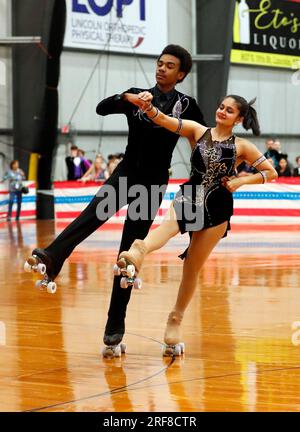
point(116, 270)
point(39, 284)
point(124, 283)
point(130, 270)
point(182, 346)
point(41, 268)
point(117, 351)
point(107, 352)
point(111, 351)
point(27, 267)
point(172, 350)
point(137, 284)
point(51, 288)
point(177, 350)
point(167, 351)
point(123, 348)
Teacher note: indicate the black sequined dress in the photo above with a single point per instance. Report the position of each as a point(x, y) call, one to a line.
point(202, 201)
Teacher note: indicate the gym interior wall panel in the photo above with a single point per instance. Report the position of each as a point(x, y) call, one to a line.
point(6, 153)
point(5, 67)
point(278, 100)
point(273, 104)
point(113, 75)
point(5, 18)
point(6, 117)
point(292, 104)
point(214, 36)
point(180, 18)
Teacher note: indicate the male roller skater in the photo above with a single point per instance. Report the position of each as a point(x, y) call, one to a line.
point(146, 162)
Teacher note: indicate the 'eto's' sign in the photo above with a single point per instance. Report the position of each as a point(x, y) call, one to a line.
point(88, 6)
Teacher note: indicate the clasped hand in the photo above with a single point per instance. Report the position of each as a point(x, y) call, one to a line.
point(231, 183)
point(143, 100)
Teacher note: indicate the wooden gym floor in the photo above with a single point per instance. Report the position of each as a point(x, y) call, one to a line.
point(242, 345)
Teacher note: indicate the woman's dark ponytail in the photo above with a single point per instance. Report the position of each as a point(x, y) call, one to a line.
point(251, 120)
point(248, 112)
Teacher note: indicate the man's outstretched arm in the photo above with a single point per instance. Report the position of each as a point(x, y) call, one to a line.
point(117, 104)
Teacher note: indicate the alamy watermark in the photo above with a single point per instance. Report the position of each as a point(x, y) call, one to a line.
point(144, 202)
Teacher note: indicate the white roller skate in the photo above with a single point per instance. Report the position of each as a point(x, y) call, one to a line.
point(129, 264)
point(36, 265)
point(113, 351)
point(173, 346)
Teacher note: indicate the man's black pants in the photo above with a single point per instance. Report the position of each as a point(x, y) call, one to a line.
point(87, 222)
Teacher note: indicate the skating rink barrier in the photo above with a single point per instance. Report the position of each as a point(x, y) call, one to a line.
point(28, 209)
point(277, 202)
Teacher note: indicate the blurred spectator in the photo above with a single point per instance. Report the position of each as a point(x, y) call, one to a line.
point(70, 162)
point(120, 156)
point(96, 171)
point(245, 170)
point(277, 147)
point(272, 152)
point(15, 177)
point(75, 164)
point(296, 171)
point(113, 162)
point(87, 163)
point(283, 168)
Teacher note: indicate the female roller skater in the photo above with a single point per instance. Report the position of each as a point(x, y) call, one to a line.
point(206, 196)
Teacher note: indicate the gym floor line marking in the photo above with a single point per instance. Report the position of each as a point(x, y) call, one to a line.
point(113, 391)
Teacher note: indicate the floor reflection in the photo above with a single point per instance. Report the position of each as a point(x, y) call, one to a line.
point(241, 354)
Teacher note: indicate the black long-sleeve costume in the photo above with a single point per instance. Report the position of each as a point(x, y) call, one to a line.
point(147, 160)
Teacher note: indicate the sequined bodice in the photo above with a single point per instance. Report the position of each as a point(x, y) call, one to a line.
point(212, 160)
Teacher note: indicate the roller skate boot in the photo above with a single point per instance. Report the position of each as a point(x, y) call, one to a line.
point(173, 346)
point(40, 262)
point(129, 264)
point(113, 341)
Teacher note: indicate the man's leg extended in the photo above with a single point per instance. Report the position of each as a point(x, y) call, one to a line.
point(133, 229)
point(91, 218)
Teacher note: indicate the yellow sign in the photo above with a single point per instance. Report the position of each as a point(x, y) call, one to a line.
point(267, 33)
point(264, 59)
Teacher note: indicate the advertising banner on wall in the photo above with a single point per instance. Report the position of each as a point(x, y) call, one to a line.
point(117, 25)
point(267, 33)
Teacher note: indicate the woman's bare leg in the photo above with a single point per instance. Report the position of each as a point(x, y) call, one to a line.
point(156, 239)
point(202, 244)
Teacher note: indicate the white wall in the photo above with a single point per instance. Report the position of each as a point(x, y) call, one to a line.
point(5, 84)
point(278, 103)
point(115, 74)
